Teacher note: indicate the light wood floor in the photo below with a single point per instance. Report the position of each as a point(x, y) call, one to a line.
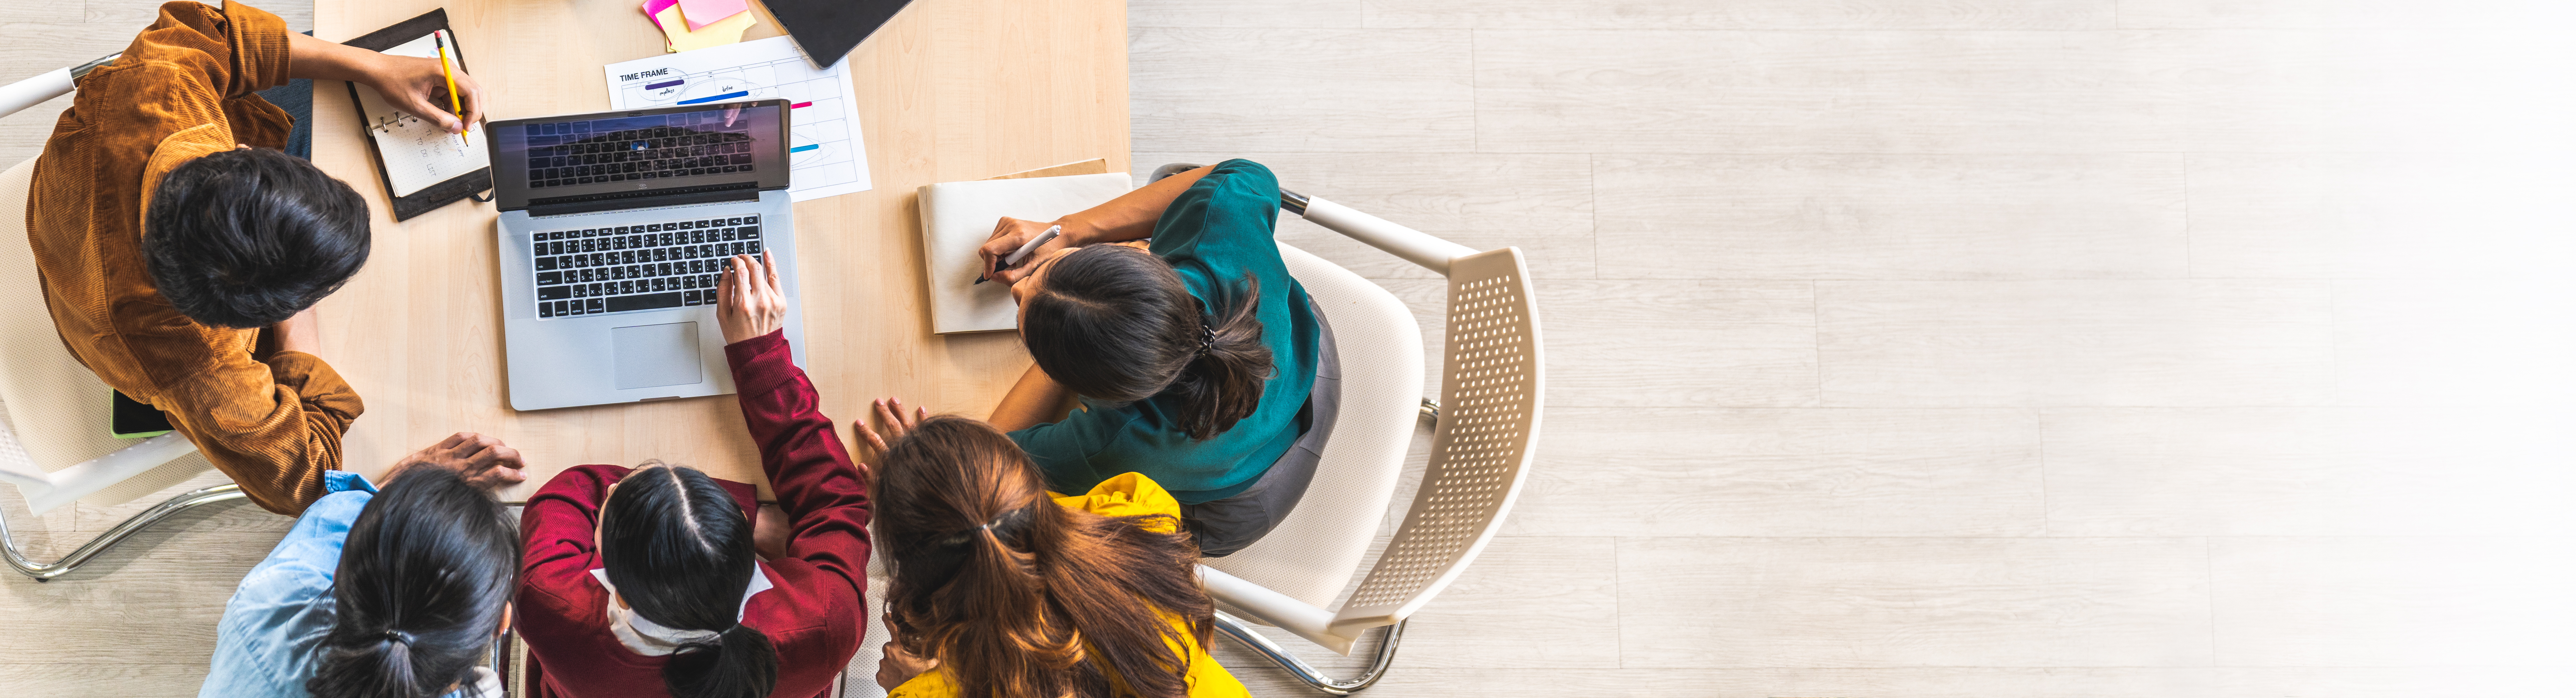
point(1991, 348)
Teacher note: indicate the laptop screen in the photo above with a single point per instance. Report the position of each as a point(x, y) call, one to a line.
point(618, 154)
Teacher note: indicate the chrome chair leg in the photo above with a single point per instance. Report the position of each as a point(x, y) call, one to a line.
point(46, 573)
point(1242, 632)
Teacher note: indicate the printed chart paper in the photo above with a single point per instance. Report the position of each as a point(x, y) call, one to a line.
point(418, 154)
point(825, 154)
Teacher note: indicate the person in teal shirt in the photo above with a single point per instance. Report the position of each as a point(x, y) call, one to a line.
point(1193, 355)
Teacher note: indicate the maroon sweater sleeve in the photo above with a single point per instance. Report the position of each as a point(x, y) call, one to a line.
point(558, 605)
point(817, 486)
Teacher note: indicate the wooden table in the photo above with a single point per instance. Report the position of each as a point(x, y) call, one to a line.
point(948, 90)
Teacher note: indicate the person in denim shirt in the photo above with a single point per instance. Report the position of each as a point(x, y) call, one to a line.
point(380, 594)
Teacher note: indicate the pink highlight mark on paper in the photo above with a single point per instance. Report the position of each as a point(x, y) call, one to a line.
point(701, 13)
point(800, 105)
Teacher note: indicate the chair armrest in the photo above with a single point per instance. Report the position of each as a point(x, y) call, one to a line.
point(1413, 245)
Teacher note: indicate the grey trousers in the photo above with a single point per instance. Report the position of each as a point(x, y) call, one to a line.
point(1230, 524)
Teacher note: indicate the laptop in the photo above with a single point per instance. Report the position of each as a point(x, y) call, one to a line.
point(614, 227)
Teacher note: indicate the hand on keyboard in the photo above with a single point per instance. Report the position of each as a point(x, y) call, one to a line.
point(748, 303)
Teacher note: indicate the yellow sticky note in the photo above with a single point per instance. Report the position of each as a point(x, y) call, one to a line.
point(675, 29)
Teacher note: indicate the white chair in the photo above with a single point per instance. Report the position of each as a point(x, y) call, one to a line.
point(56, 409)
point(1486, 431)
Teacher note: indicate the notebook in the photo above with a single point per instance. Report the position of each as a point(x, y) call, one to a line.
point(422, 166)
point(956, 219)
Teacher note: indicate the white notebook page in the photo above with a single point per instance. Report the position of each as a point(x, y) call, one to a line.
point(417, 153)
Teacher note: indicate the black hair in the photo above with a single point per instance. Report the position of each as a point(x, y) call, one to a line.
point(248, 238)
point(1115, 323)
point(424, 578)
point(679, 550)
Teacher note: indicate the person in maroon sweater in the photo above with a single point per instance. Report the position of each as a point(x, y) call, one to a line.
point(696, 617)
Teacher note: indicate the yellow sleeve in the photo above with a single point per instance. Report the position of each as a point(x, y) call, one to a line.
point(929, 684)
point(1209, 679)
point(1131, 494)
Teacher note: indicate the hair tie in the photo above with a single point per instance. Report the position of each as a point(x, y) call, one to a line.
point(398, 636)
point(1207, 337)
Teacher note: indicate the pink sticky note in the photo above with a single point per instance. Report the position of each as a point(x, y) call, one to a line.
point(701, 13)
point(654, 7)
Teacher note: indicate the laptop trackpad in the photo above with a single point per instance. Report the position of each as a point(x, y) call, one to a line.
point(656, 355)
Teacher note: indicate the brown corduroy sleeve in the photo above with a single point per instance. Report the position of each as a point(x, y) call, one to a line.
point(273, 427)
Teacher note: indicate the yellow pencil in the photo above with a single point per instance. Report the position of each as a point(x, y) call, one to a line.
point(440, 37)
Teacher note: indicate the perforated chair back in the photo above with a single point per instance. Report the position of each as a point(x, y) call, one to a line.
point(1481, 450)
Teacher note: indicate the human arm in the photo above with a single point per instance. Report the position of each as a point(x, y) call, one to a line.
point(417, 86)
point(1131, 216)
point(1036, 399)
point(557, 600)
point(822, 493)
point(274, 427)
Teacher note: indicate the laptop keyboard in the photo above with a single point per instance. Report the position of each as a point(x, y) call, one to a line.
point(589, 271)
point(568, 154)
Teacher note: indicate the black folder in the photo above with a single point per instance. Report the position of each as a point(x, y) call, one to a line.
point(828, 29)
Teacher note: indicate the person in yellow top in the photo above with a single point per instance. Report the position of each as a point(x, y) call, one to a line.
point(1006, 590)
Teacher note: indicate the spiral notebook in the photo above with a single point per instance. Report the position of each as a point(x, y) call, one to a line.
point(422, 166)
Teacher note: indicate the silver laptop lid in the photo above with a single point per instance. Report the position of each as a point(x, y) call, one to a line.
point(644, 157)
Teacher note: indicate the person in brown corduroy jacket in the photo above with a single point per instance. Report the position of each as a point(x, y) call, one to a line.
point(181, 253)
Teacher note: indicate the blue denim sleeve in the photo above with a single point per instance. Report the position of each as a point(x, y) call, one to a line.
point(264, 643)
point(345, 481)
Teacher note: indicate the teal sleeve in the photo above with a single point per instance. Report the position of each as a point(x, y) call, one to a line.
point(1063, 450)
point(1225, 217)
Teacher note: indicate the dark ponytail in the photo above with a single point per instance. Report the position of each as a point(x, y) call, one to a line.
point(679, 550)
point(428, 567)
point(1115, 323)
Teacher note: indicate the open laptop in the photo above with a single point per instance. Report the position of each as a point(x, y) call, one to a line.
point(614, 227)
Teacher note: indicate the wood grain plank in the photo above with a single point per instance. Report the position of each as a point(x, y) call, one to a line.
point(2339, 14)
point(2311, 471)
point(1564, 589)
point(1667, 91)
point(1892, 216)
point(103, 679)
point(2392, 601)
point(2075, 343)
point(1741, 14)
point(1893, 602)
point(130, 16)
point(242, 517)
point(153, 599)
point(1670, 472)
point(1641, 343)
point(1330, 14)
point(1284, 90)
point(1540, 203)
point(1652, 91)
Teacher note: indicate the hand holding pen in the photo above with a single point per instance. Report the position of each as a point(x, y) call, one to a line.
point(1014, 243)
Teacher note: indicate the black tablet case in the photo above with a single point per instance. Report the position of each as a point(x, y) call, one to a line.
point(828, 29)
point(442, 193)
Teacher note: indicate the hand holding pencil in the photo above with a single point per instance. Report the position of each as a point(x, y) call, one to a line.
point(410, 84)
point(444, 70)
